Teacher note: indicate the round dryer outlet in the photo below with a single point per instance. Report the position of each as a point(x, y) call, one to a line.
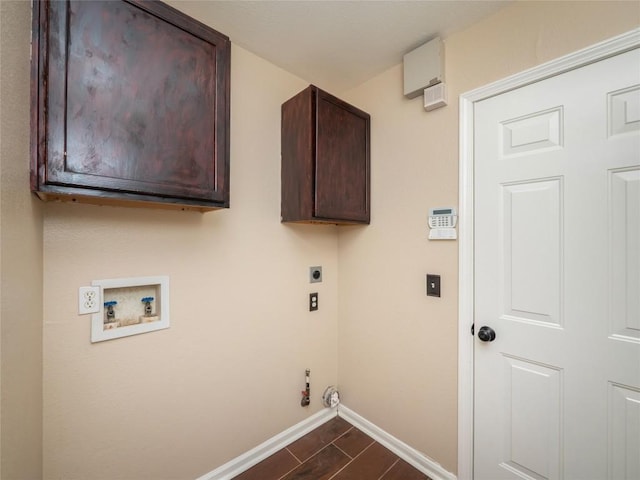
point(331, 397)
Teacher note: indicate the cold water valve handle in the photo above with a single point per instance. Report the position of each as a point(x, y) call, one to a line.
point(147, 305)
point(306, 400)
point(110, 313)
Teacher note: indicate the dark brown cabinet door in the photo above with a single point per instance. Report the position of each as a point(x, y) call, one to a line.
point(131, 103)
point(325, 160)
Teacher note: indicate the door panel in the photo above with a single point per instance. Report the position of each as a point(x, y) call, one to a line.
point(342, 161)
point(624, 111)
point(531, 221)
point(624, 425)
point(532, 396)
point(557, 276)
point(624, 198)
point(536, 132)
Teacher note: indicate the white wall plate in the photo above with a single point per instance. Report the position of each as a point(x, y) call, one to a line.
point(130, 318)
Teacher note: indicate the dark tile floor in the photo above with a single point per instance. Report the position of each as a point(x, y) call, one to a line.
point(335, 450)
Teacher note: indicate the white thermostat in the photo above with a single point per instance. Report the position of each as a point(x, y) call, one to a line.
point(442, 222)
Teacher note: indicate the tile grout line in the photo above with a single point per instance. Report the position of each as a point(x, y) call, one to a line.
point(389, 469)
point(338, 472)
point(314, 455)
point(349, 456)
point(320, 449)
point(291, 453)
point(342, 435)
point(351, 461)
point(299, 463)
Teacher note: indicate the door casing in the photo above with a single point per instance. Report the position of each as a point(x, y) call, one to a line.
point(595, 53)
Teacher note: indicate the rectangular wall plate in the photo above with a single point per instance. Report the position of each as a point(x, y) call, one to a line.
point(313, 302)
point(89, 300)
point(130, 318)
point(433, 285)
point(315, 274)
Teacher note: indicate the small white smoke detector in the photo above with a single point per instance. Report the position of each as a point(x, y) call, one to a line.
point(331, 397)
point(435, 96)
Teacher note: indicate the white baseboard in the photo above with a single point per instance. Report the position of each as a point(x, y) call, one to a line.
point(401, 449)
point(264, 450)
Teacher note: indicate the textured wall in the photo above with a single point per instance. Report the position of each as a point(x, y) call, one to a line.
point(20, 259)
point(231, 366)
point(227, 375)
point(398, 347)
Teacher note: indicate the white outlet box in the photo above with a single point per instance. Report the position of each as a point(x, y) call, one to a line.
point(88, 300)
point(127, 293)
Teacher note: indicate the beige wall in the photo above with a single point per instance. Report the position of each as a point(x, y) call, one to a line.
point(226, 376)
point(398, 347)
point(20, 260)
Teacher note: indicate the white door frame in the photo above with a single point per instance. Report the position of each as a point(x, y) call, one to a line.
point(600, 51)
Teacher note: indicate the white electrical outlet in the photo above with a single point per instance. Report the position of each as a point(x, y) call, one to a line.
point(88, 300)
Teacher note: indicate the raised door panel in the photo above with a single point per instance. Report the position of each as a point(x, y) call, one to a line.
point(624, 252)
point(624, 432)
point(531, 222)
point(136, 96)
point(342, 161)
point(532, 431)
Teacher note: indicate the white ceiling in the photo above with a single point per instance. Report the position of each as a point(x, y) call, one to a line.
point(337, 44)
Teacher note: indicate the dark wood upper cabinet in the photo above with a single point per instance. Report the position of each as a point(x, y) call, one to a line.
point(325, 160)
point(130, 103)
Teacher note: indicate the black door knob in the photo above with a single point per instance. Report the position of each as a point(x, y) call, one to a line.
point(486, 334)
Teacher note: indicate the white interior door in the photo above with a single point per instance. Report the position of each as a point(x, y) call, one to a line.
point(557, 277)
